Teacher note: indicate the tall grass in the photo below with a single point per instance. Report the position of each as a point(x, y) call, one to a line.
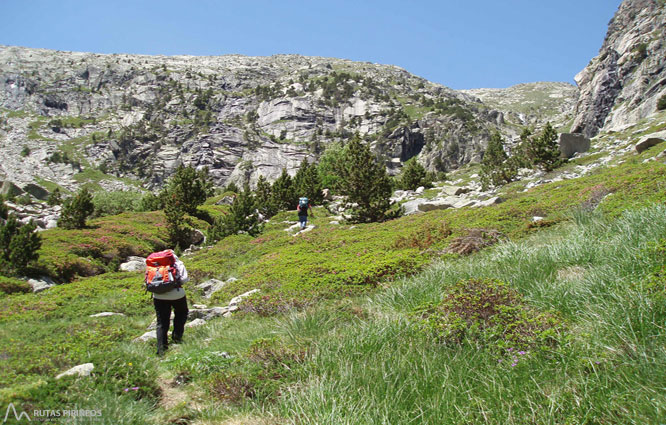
point(610, 369)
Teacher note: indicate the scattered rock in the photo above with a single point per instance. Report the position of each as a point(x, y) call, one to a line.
point(438, 204)
point(133, 264)
point(106, 314)
point(492, 201)
point(647, 142)
point(536, 219)
point(195, 323)
point(199, 306)
point(234, 301)
point(211, 286)
point(80, 370)
point(41, 284)
point(146, 337)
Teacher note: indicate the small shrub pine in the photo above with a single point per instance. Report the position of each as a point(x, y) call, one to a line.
point(19, 245)
point(191, 187)
point(496, 167)
point(413, 176)
point(76, 210)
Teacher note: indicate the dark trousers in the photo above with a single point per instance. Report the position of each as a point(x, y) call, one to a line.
point(163, 312)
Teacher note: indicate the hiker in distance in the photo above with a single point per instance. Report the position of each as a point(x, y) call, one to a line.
point(165, 276)
point(302, 208)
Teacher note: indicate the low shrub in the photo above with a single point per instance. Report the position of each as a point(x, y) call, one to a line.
point(13, 286)
point(475, 240)
point(488, 312)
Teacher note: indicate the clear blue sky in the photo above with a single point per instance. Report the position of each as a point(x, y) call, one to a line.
point(458, 43)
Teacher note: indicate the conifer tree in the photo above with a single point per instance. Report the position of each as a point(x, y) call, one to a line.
point(19, 244)
point(544, 150)
point(307, 183)
point(243, 217)
point(76, 210)
point(496, 169)
point(283, 192)
point(366, 183)
point(191, 187)
point(413, 175)
point(264, 198)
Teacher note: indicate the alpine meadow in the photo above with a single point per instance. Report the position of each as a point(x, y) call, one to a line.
point(485, 256)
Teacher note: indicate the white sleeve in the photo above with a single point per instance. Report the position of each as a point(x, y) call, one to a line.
point(182, 271)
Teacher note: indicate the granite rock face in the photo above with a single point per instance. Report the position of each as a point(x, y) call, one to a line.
point(623, 83)
point(139, 117)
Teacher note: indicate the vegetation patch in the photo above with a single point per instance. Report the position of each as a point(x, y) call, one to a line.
point(267, 367)
point(489, 313)
point(101, 246)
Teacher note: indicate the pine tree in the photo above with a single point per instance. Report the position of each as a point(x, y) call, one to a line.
point(307, 183)
point(264, 198)
point(329, 167)
point(175, 218)
point(76, 210)
point(243, 217)
point(496, 169)
point(366, 183)
point(19, 244)
point(413, 175)
point(283, 192)
point(191, 186)
point(544, 150)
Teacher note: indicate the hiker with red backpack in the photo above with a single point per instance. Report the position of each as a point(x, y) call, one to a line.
point(302, 208)
point(165, 275)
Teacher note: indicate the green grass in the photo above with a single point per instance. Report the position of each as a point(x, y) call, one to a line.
point(337, 333)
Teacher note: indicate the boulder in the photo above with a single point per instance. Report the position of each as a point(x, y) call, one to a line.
point(327, 194)
point(194, 323)
point(133, 264)
point(437, 204)
point(211, 286)
point(647, 142)
point(453, 190)
point(492, 201)
point(10, 189)
point(572, 143)
point(146, 337)
point(41, 284)
point(36, 191)
point(412, 207)
point(80, 370)
point(206, 313)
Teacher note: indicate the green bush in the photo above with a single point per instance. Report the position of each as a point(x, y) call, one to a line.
point(13, 286)
point(113, 203)
point(76, 210)
point(413, 175)
point(487, 312)
point(18, 245)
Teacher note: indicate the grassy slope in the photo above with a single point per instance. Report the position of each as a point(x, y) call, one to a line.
point(306, 361)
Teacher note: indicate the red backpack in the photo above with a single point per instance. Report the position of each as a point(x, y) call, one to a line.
point(161, 272)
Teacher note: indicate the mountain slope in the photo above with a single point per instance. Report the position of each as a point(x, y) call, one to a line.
point(623, 83)
point(140, 116)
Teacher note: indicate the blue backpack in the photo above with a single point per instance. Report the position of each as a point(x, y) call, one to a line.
point(303, 203)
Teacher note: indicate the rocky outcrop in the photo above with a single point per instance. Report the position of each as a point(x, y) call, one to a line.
point(624, 82)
